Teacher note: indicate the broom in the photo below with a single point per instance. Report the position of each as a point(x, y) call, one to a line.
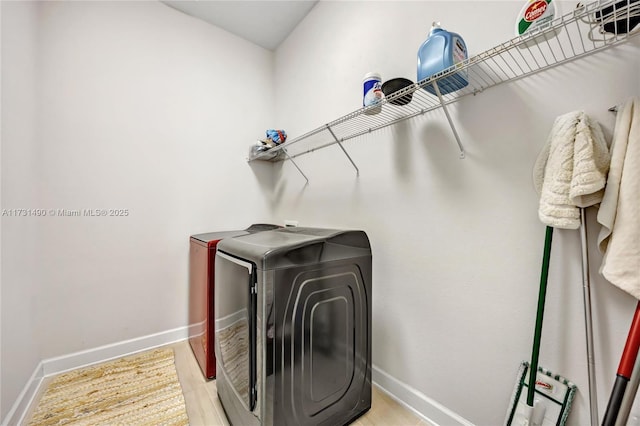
point(625, 368)
point(555, 393)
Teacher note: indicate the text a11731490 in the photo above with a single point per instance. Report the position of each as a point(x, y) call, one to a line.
point(58, 212)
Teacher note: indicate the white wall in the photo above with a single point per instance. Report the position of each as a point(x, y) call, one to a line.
point(133, 105)
point(142, 108)
point(19, 351)
point(150, 110)
point(457, 243)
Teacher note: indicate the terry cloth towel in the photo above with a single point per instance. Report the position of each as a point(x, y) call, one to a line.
point(571, 170)
point(619, 213)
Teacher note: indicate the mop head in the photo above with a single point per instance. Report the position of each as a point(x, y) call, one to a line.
point(552, 402)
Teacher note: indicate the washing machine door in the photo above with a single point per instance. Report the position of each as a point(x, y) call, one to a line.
point(235, 325)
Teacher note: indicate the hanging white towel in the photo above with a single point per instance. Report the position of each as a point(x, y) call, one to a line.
point(619, 213)
point(571, 170)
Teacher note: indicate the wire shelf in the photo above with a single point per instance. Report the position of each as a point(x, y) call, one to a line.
point(586, 30)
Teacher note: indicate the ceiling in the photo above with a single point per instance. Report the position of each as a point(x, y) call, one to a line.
point(263, 22)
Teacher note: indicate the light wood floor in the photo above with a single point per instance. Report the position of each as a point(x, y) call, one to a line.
point(203, 406)
point(204, 409)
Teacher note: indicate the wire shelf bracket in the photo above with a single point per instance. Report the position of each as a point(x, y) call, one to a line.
point(295, 164)
point(343, 150)
point(446, 112)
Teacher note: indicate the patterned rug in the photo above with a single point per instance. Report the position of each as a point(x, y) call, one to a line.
point(140, 389)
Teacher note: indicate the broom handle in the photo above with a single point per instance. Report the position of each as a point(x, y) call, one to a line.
point(533, 371)
point(628, 359)
point(629, 395)
point(588, 323)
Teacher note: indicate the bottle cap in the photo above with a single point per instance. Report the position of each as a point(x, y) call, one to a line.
point(371, 75)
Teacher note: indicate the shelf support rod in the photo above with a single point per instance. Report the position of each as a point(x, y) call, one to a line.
point(343, 150)
point(294, 163)
point(446, 112)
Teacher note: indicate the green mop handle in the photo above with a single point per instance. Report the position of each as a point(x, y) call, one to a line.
point(533, 370)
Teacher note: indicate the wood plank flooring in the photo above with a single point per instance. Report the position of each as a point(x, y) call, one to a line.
point(204, 409)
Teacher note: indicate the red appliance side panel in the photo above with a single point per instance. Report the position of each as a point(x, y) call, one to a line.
point(209, 343)
point(201, 306)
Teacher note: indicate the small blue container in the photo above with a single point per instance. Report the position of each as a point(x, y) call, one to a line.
point(441, 50)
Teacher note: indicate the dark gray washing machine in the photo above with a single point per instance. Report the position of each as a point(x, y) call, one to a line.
point(293, 327)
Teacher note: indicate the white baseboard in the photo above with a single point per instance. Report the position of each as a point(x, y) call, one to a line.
point(80, 359)
point(416, 401)
point(60, 364)
point(19, 408)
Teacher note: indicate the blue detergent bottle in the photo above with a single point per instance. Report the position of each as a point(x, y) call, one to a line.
point(441, 50)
